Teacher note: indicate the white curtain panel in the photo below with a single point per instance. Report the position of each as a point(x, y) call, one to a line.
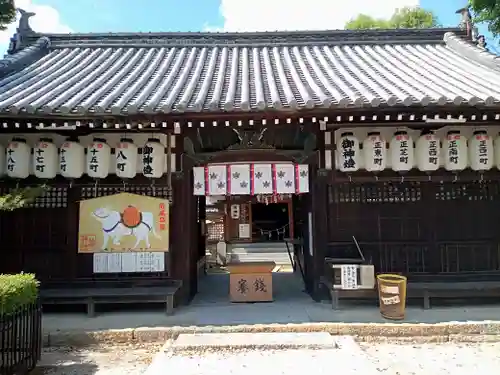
point(239, 178)
point(263, 179)
point(285, 178)
point(302, 179)
point(199, 180)
point(217, 180)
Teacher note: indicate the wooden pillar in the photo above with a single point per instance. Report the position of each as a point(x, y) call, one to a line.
point(320, 229)
point(319, 206)
point(72, 220)
point(179, 238)
point(183, 234)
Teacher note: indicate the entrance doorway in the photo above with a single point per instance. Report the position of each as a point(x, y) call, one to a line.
point(271, 222)
point(255, 229)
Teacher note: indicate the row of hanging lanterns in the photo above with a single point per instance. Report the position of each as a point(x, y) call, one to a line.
point(428, 153)
point(71, 161)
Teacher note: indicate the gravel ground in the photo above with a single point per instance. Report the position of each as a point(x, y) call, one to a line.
point(435, 359)
point(387, 359)
point(99, 360)
point(439, 359)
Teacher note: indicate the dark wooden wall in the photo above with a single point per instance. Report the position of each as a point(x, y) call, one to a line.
point(43, 238)
point(417, 227)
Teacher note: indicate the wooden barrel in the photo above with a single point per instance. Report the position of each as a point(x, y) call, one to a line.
point(392, 296)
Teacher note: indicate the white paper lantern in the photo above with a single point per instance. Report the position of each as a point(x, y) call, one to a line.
point(2, 160)
point(153, 159)
point(481, 151)
point(428, 152)
point(18, 156)
point(126, 158)
point(455, 151)
point(374, 152)
point(98, 158)
point(402, 152)
point(71, 159)
point(45, 158)
point(348, 152)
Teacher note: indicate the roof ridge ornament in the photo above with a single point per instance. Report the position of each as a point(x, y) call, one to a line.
point(23, 29)
point(24, 21)
point(481, 42)
point(466, 21)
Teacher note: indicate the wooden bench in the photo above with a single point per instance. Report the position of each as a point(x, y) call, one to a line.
point(337, 294)
point(452, 289)
point(92, 292)
point(334, 293)
point(439, 286)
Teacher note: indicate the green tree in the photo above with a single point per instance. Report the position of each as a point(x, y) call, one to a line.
point(7, 13)
point(363, 22)
point(404, 18)
point(487, 11)
point(20, 197)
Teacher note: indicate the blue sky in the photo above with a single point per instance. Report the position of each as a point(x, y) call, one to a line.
point(214, 15)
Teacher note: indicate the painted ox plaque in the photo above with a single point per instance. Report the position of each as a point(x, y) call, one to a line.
point(123, 222)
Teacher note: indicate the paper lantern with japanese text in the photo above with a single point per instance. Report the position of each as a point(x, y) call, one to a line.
point(428, 152)
point(348, 152)
point(98, 158)
point(126, 158)
point(402, 152)
point(18, 155)
point(374, 152)
point(455, 151)
point(2, 160)
point(481, 151)
point(153, 159)
point(71, 159)
point(496, 147)
point(45, 159)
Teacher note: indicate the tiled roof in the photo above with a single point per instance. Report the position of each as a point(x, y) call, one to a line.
point(164, 73)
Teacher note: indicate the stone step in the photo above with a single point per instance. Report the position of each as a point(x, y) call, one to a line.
point(258, 246)
point(263, 340)
point(278, 258)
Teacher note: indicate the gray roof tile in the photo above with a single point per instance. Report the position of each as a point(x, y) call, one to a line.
point(109, 76)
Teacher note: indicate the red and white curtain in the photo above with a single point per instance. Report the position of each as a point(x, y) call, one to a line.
point(251, 179)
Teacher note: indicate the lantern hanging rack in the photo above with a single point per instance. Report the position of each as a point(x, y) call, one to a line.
point(471, 176)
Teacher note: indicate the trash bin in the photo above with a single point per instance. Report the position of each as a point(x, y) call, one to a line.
point(392, 296)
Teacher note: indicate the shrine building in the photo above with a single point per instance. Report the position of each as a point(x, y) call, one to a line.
point(320, 140)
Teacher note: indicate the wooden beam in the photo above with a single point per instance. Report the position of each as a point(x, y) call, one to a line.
point(338, 115)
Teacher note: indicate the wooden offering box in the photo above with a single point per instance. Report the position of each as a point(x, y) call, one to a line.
point(251, 282)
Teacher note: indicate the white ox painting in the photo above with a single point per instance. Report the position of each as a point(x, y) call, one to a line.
point(115, 229)
point(123, 222)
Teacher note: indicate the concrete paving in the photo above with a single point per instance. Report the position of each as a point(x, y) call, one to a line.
point(264, 340)
point(270, 352)
point(211, 307)
point(269, 313)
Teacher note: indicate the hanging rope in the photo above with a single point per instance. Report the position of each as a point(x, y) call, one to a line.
point(280, 232)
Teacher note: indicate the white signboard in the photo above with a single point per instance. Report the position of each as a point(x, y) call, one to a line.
point(244, 231)
point(349, 276)
point(129, 262)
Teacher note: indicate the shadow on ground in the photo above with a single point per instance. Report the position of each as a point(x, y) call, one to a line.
point(60, 361)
